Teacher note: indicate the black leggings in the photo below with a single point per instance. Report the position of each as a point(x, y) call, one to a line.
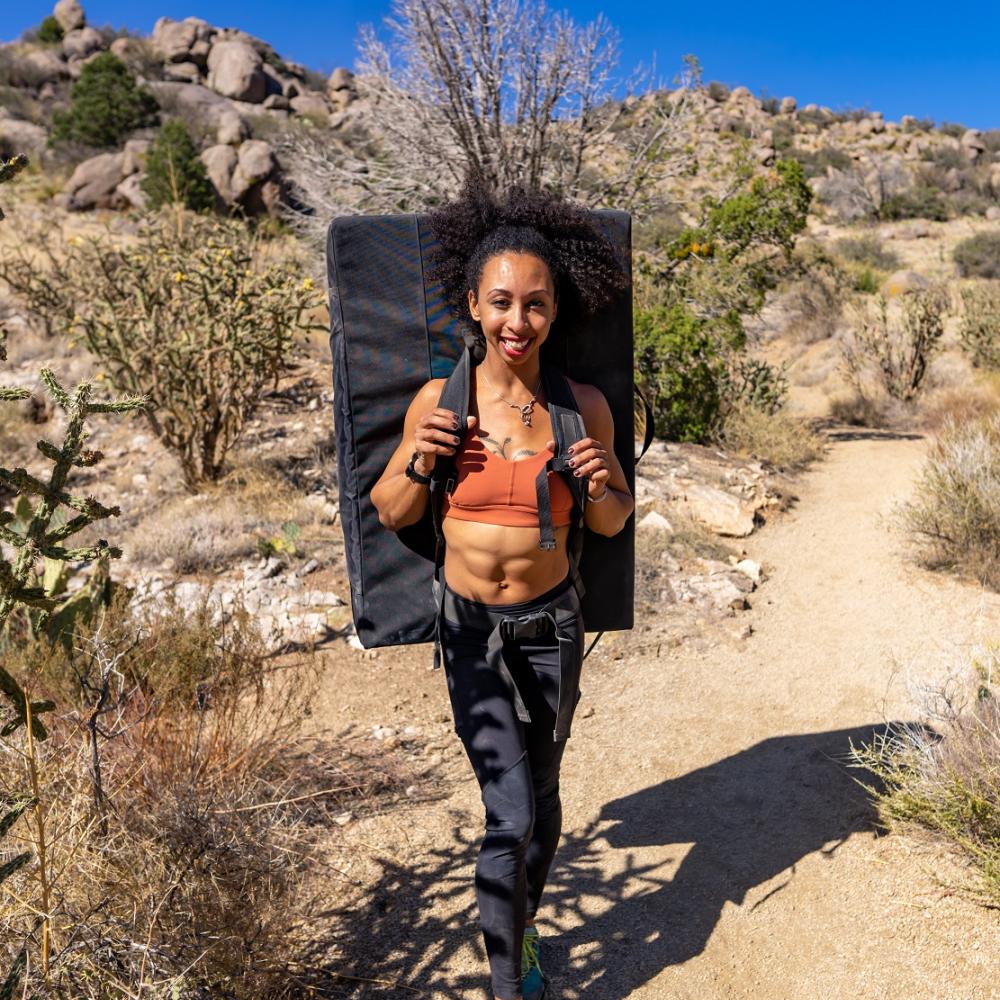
point(516, 762)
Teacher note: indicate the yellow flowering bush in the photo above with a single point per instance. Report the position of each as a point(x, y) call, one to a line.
point(187, 317)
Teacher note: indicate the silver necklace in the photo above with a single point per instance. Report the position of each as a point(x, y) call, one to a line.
point(524, 410)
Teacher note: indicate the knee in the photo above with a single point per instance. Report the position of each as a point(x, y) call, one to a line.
point(510, 806)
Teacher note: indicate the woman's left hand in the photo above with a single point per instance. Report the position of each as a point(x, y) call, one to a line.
point(589, 458)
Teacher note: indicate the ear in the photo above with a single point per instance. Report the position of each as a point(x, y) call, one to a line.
point(473, 305)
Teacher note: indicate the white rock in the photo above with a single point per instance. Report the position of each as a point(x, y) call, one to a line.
point(130, 192)
point(69, 14)
point(720, 511)
point(654, 521)
point(310, 567)
point(235, 70)
point(255, 162)
point(750, 569)
point(220, 162)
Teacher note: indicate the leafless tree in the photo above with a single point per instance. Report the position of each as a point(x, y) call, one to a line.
point(502, 87)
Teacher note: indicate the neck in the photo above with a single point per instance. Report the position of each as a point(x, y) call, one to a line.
point(511, 382)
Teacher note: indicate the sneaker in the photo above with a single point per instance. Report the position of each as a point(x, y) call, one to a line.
point(533, 981)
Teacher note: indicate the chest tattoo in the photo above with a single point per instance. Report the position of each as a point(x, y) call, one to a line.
point(500, 448)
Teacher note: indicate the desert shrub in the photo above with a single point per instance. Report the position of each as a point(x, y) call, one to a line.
point(858, 410)
point(679, 367)
point(813, 116)
point(968, 201)
point(180, 793)
point(920, 202)
point(753, 383)
point(978, 256)
point(718, 91)
point(30, 271)
point(954, 129)
point(191, 315)
point(50, 31)
point(954, 516)
point(868, 249)
point(894, 345)
point(815, 163)
point(991, 140)
point(770, 105)
point(946, 157)
point(776, 438)
point(175, 174)
point(961, 404)
point(919, 125)
point(942, 775)
point(979, 329)
point(105, 105)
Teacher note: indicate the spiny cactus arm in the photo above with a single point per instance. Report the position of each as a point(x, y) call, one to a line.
point(9, 394)
point(82, 397)
point(83, 459)
point(23, 482)
point(17, 805)
point(15, 695)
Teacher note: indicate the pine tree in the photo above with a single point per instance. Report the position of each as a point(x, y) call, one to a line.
point(105, 104)
point(174, 171)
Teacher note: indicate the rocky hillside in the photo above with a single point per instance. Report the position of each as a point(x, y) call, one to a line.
point(232, 90)
point(239, 98)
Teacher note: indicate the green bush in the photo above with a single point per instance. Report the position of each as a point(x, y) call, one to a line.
point(920, 202)
point(979, 256)
point(979, 329)
point(868, 249)
point(680, 369)
point(174, 171)
point(50, 31)
point(105, 105)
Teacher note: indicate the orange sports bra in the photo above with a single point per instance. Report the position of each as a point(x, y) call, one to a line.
point(494, 490)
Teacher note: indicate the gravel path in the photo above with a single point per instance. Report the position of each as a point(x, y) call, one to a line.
point(715, 846)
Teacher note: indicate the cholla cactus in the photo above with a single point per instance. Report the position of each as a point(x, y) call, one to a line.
point(9, 169)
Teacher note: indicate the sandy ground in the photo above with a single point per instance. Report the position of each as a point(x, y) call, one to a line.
point(715, 844)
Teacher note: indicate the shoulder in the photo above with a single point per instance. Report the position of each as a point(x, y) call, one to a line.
point(429, 392)
point(590, 399)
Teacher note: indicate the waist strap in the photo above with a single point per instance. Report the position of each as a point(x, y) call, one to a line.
point(561, 611)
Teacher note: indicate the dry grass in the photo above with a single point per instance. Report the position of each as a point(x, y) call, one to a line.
point(181, 809)
point(221, 525)
point(954, 516)
point(961, 404)
point(778, 439)
point(943, 775)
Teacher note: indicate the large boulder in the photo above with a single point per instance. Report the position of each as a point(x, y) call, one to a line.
point(718, 510)
point(69, 14)
point(81, 43)
point(94, 181)
point(220, 162)
point(312, 104)
point(17, 136)
point(235, 70)
point(255, 163)
point(172, 40)
point(129, 193)
point(340, 79)
point(38, 67)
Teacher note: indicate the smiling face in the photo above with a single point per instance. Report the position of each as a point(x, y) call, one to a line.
point(515, 305)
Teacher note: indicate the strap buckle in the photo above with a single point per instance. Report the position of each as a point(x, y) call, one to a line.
point(531, 626)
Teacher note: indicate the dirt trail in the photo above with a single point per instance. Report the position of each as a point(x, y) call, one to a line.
point(714, 845)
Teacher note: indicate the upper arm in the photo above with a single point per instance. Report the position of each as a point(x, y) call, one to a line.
point(423, 402)
point(600, 424)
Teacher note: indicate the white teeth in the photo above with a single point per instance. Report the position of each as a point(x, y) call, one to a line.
point(517, 345)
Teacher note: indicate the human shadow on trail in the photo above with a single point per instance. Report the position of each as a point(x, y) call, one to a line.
point(738, 823)
point(747, 818)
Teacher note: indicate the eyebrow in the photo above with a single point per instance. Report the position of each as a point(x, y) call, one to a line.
point(537, 291)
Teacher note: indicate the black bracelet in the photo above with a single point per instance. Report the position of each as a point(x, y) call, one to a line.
point(412, 474)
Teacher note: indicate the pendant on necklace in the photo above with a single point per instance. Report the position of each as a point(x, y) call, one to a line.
point(526, 412)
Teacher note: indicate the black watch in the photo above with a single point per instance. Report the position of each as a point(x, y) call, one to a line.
point(412, 474)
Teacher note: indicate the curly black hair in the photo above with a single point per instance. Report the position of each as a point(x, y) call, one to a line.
point(586, 268)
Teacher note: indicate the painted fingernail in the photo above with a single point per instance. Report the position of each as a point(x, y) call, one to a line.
point(572, 463)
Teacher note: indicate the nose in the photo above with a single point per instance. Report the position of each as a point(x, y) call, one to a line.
point(519, 319)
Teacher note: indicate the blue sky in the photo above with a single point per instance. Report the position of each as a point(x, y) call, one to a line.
point(898, 58)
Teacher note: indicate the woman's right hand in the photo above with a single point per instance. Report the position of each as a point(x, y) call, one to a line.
point(437, 433)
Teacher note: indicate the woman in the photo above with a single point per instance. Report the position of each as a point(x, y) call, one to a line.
point(511, 631)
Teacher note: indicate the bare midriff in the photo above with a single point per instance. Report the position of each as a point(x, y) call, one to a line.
point(496, 564)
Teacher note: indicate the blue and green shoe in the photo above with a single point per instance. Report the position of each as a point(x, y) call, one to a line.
point(533, 981)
